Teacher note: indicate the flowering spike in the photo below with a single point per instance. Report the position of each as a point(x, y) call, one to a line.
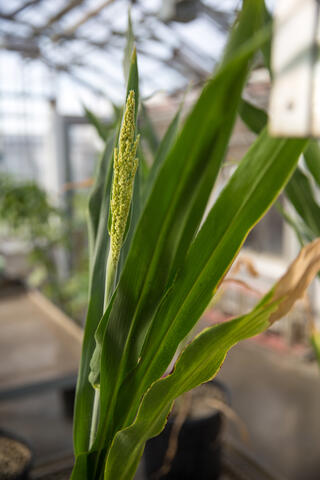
point(124, 168)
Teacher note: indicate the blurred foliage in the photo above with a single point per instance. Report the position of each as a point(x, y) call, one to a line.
point(25, 209)
point(77, 284)
point(27, 214)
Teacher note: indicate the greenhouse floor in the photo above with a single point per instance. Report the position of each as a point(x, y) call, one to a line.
point(277, 395)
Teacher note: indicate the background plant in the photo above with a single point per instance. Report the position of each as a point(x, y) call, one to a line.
point(173, 261)
point(27, 214)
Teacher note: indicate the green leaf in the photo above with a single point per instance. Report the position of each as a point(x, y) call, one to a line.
point(251, 190)
point(312, 159)
point(292, 222)
point(147, 130)
point(94, 375)
point(96, 196)
point(128, 49)
point(300, 194)
point(133, 80)
point(299, 190)
point(199, 362)
point(255, 118)
point(171, 218)
point(165, 145)
point(130, 66)
point(83, 467)
point(102, 129)
point(143, 171)
point(266, 47)
point(99, 246)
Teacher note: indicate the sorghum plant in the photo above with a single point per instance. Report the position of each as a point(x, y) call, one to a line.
point(155, 272)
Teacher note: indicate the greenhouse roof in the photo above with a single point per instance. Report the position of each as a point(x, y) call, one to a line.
point(178, 42)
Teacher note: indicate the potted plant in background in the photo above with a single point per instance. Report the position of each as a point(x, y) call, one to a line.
point(154, 273)
point(27, 214)
point(16, 457)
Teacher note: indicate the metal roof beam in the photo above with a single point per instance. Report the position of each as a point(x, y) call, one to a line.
point(60, 14)
point(22, 7)
point(91, 14)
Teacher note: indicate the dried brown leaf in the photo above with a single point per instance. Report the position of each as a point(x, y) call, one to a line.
point(248, 264)
point(296, 280)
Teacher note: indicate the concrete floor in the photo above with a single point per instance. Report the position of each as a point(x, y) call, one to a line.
point(277, 396)
point(40, 420)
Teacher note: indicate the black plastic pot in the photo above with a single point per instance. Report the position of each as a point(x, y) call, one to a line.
point(198, 455)
point(24, 457)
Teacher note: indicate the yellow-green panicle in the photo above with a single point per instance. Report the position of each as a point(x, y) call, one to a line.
point(125, 166)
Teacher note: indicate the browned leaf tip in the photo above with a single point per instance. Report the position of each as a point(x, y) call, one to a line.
point(296, 280)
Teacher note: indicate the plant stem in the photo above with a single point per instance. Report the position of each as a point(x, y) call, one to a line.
point(110, 279)
point(111, 271)
point(95, 417)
